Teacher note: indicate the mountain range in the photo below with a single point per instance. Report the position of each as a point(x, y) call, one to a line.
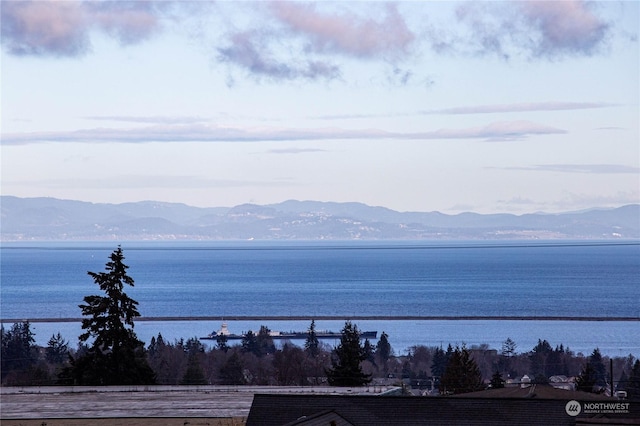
point(50, 219)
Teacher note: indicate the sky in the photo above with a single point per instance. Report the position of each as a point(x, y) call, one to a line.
point(492, 107)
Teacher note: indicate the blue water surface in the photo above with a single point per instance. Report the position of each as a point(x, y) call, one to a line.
point(575, 279)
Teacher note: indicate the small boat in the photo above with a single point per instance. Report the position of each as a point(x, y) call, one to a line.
point(224, 331)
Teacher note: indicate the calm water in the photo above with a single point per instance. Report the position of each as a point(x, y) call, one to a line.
point(349, 279)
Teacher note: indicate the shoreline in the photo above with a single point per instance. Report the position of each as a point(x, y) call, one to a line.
point(614, 338)
point(339, 317)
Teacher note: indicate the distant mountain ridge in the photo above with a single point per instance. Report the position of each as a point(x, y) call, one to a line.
point(50, 219)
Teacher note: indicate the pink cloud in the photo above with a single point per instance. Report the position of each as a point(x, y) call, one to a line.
point(564, 26)
point(497, 131)
point(347, 34)
point(44, 27)
point(534, 28)
point(63, 28)
point(520, 107)
point(129, 22)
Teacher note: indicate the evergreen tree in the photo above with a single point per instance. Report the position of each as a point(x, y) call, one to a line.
point(586, 381)
point(57, 350)
point(383, 347)
point(367, 351)
point(231, 373)
point(154, 347)
point(312, 344)
point(221, 343)
point(497, 382)
point(538, 357)
point(508, 354)
point(265, 342)
point(462, 374)
point(250, 343)
point(116, 356)
point(600, 370)
point(449, 352)
point(509, 348)
point(633, 384)
point(383, 350)
point(439, 363)
point(345, 364)
point(19, 352)
point(194, 374)
point(623, 382)
point(193, 346)
point(556, 362)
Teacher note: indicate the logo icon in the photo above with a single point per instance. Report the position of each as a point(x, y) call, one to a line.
point(573, 408)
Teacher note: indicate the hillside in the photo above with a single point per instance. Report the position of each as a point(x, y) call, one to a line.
point(45, 219)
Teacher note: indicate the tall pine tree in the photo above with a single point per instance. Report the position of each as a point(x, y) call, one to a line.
point(598, 365)
point(383, 350)
point(462, 374)
point(311, 343)
point(440, 361)
point(19, 352)
point(345, 364)
point(116, 356)
point(586, 380)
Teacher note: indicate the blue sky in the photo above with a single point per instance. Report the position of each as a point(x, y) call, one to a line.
point(506, 106)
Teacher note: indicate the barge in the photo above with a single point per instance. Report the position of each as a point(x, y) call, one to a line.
point(224, 331)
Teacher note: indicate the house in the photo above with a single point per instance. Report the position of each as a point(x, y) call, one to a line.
point(563, 382)
point(372, 410)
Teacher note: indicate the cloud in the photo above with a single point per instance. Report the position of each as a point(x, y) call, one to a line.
point(570, 202)
point(494, 132)
point(346, 33)
point(44, 27)
point(150, 181)
point(538, 29)
point(250, 50)
point(567, 26)
point(575, 201)
point(521, 107)
point(588, 168)
point(295, 150)
point(63, 28)
point(580, 168)
point(312, 41)
point(499, 131)
point(175, 119)
point(282, 41)
point(156, 119)
point(518, 201)
point(482, 109)
point(613, 200)
point(127, 21)
point(298, 41)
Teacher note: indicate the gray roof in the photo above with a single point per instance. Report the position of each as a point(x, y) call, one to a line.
point(322, 418)
point(369, 410)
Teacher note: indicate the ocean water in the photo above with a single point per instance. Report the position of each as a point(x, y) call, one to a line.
point(577, 279)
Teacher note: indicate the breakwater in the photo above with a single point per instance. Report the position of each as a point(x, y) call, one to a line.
point(342, 317)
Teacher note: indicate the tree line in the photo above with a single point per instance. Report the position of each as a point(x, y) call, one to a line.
point(110, 353)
